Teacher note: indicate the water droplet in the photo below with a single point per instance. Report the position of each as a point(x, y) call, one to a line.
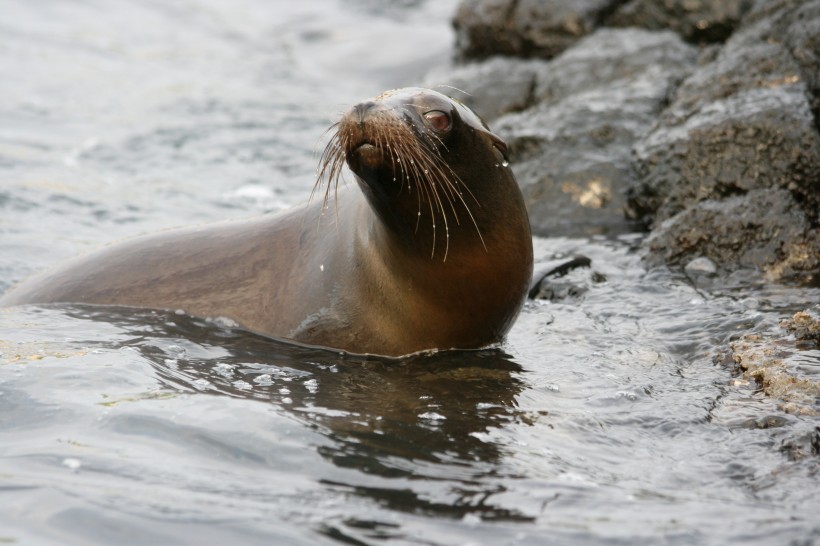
point(496, 164)
point(322, 267)
point(505, 163)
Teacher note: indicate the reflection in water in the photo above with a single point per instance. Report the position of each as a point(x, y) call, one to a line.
point(422, 418)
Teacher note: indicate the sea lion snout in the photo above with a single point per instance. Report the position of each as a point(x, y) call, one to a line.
point(367, 123)
point(359, 112)
point(367, 134)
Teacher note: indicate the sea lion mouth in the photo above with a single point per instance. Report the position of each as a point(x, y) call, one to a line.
point(365, 156)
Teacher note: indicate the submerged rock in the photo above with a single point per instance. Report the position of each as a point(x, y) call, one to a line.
point(777, 362)
point(561, 279)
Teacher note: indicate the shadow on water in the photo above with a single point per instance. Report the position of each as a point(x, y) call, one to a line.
point(421, 418)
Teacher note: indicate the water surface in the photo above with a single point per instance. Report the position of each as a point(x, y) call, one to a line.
point(609, 416)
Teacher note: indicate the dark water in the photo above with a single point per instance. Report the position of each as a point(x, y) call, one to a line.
point(608, 417)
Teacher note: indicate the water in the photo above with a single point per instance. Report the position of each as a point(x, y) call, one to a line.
point(608, 417)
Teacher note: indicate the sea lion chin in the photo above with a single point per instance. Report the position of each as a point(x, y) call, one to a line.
point(433, 252)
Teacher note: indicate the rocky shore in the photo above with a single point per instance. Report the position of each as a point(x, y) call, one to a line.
point(695, 120)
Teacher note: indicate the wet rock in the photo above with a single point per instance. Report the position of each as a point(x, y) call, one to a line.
point(763, 229)
point(700, 267)
point(740, 123)
point(804, 325)
point(794, 25)
point(778, 365)
point(802, 446)
point(697, 21)
point(571, 152)
point(524, 28)
point(564, 279)
point(737, 146)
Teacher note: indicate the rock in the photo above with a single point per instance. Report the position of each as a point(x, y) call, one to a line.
point(571, 152)
point(739, 123)
point(737, 146)
point(524, 28)
point(561, 280)
point(763, 229)
point(697, 21)
point(804, 325)
point(700, 266)
point(777, 364)
point(612, 56)
point(794, 25)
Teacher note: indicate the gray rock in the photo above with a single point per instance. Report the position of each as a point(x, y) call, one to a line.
point(804, 325)
point(731, 170)
point(612, 55)
point(795, 25)
point(697, 21)
point(741, 122)
point(572, 151)
point(764, 229)
point(524, 28)
point(700, 266)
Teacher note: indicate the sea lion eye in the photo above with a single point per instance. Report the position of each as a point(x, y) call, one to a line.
point(438, 120)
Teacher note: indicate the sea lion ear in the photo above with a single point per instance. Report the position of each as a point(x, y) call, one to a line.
point(501, 146)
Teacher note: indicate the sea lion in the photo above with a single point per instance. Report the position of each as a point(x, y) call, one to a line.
point(434, 252)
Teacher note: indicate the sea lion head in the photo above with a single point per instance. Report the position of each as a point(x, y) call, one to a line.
point(428, 165)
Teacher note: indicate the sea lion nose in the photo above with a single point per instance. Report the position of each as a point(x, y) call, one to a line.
point(361, 109)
